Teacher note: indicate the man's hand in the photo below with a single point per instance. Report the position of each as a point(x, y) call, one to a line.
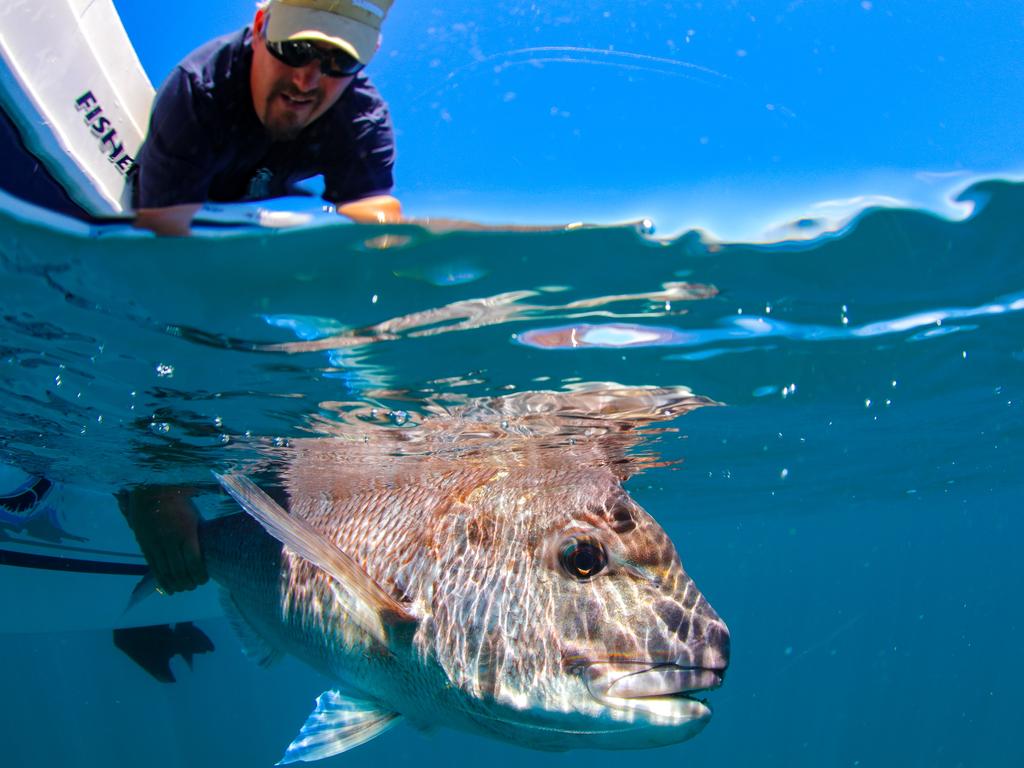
point(165, 524)
point(172, 221)
point(380, 209)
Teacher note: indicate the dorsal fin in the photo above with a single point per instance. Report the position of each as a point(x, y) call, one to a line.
point(367, 604)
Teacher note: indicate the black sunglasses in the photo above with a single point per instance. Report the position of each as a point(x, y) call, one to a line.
point(299, 53)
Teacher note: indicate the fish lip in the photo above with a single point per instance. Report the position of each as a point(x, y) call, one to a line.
point(666, 680)
point(650, 680)
point(656, 693)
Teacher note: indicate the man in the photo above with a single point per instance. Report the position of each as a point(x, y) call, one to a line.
point(248, 115)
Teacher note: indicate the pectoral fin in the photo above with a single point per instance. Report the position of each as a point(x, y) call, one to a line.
point(336, 725)
point(367, 604)
point(254, 645)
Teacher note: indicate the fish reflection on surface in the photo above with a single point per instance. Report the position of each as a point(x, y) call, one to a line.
point(484, 570)
point(494, 310)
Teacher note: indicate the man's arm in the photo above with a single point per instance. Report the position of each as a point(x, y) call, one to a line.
point(172, 221)
point(176, 220)
point(177, 159)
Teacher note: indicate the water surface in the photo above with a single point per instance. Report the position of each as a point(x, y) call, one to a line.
point(852, 510)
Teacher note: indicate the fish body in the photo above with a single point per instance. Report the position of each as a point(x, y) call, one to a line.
point(519, 593)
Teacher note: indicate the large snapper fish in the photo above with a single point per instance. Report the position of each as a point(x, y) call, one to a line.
point(484, 570)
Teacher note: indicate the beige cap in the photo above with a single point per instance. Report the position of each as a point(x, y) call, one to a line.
point(352, 25)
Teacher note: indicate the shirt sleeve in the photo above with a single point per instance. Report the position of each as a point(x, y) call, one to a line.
point(176, 162)
point(368, 169)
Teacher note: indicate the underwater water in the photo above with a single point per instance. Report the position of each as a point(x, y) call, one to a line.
point(852, 510)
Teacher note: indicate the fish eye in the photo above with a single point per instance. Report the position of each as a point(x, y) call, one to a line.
point(582, 558)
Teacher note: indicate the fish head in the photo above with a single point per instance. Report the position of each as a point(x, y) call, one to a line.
point(566, 619)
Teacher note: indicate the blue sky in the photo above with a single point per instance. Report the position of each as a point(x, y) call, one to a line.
point(725, 115)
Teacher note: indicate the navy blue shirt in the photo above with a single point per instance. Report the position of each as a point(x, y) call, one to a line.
point(205, 141)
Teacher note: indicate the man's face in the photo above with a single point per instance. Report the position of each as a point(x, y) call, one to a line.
point(287, 99)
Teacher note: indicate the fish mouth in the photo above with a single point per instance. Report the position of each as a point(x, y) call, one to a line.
point(668, 694)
